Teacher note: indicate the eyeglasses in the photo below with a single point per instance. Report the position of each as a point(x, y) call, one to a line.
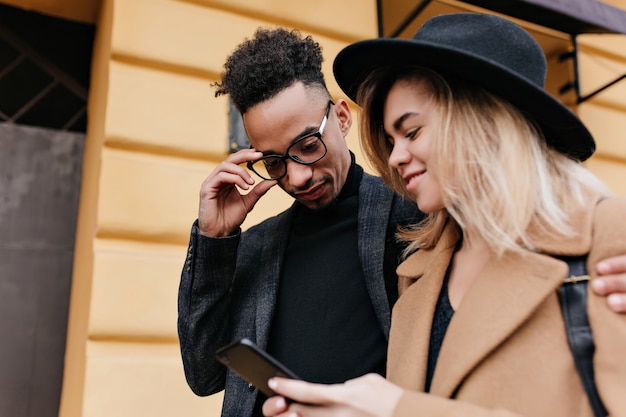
point(306, 150)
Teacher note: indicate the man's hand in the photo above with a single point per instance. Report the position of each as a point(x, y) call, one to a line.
point(223, 208)
point(611, 281)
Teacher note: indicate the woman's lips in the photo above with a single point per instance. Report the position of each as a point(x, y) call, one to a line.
point(412, 179)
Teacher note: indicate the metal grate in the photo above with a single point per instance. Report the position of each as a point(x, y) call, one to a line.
point(34, 89)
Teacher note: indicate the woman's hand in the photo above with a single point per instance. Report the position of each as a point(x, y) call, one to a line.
point(366, 396)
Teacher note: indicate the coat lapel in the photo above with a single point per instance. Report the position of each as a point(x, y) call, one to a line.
point(507, 292)
point(421, 276)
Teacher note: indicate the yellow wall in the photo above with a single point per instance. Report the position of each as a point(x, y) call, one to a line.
point(155, 132)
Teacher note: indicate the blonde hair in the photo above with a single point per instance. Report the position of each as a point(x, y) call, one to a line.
point(498, 176)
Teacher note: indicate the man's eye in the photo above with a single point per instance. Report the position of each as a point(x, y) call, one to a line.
point(309, 144)
point(271, 163)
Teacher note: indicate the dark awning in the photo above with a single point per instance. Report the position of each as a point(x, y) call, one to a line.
point(572, 17)
point(569, 16)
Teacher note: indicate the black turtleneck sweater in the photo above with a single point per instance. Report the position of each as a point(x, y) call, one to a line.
point(324, 327)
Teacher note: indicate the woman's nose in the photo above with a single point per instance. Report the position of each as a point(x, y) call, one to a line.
point(399, 155)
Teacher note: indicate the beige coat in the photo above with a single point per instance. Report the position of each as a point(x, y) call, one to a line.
point(505, 352)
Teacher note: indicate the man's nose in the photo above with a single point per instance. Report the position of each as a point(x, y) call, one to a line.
point(298, 174)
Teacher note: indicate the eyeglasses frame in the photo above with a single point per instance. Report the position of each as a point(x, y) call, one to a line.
point(283, 158)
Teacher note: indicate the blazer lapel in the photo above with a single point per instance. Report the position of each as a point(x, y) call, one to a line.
point(374, 208)
point(504, 295)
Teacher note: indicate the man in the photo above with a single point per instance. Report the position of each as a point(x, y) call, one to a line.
point(314, 285)
point(334, 250)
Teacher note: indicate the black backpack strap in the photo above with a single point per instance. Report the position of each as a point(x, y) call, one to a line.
point(573, 297)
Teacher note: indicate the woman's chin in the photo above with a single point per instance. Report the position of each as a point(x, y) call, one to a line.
point(429, 206)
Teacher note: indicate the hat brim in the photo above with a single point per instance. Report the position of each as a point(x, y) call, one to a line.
point(562, 129)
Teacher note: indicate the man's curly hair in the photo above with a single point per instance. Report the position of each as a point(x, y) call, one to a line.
point(263, 66)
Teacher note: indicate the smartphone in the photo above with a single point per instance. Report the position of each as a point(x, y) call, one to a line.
point(253, 364)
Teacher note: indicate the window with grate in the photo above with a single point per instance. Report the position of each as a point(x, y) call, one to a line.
point(44, 70)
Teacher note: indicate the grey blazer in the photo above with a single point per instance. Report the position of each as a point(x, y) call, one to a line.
point(228, 287)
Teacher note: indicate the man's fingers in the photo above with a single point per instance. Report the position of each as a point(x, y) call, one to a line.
point(222, 179)
point(608, 284)
point(617, 302)
point(256, 193)
point(244, 155)
point(614, 265)
point(613, 288)
point(231, 170)
point(613, 283)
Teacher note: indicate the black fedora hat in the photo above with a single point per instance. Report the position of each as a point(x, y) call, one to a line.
point(483, 49)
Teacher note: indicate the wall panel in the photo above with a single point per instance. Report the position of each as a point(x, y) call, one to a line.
point(149, 197)
point(134, 291)
point(177, 33)
point(347, 19)
point(612, 172)
point(140, 379)
point(608, 127)
point(208, 35)
point(164, 112)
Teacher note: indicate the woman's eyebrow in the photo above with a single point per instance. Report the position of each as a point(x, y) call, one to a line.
point(397, 124)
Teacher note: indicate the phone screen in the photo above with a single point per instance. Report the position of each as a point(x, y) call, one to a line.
point(253, 364)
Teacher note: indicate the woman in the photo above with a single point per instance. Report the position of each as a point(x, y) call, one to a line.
point(457, 118)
